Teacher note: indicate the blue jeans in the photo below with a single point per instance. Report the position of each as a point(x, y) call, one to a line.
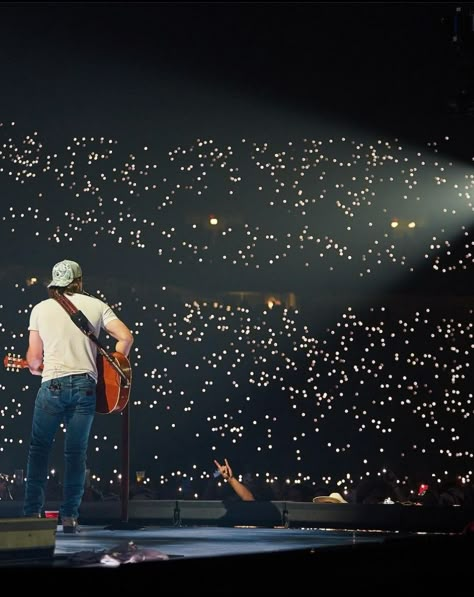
point(70, 400)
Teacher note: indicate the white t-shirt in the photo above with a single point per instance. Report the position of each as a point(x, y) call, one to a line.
point(67, 350)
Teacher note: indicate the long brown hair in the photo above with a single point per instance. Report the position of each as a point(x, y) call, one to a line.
point(73, 288)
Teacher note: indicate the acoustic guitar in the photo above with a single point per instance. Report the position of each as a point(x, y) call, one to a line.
point(113, 383)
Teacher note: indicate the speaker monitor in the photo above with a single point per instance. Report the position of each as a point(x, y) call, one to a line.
point(27, 539)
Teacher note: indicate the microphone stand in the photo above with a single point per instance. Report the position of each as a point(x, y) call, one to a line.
point(124, 523)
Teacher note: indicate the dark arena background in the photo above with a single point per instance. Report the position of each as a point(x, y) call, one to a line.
point(277, 198)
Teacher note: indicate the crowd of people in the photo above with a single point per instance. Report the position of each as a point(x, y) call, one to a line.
point(325, 394)
point(219, 377)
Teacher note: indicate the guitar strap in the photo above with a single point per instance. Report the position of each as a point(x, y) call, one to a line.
point(85, 326)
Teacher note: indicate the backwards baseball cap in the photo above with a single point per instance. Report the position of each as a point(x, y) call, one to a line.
point(64, 273)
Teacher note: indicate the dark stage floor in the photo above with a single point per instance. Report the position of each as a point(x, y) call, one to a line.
point(213, 560)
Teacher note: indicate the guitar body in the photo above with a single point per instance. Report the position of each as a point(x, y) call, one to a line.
point(113, 389)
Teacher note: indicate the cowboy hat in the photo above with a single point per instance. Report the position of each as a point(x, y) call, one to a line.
point(332, 498)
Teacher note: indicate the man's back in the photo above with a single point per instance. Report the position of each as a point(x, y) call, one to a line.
point(67, 350)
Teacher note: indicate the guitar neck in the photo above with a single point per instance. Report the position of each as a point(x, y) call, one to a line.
point(15, 363)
